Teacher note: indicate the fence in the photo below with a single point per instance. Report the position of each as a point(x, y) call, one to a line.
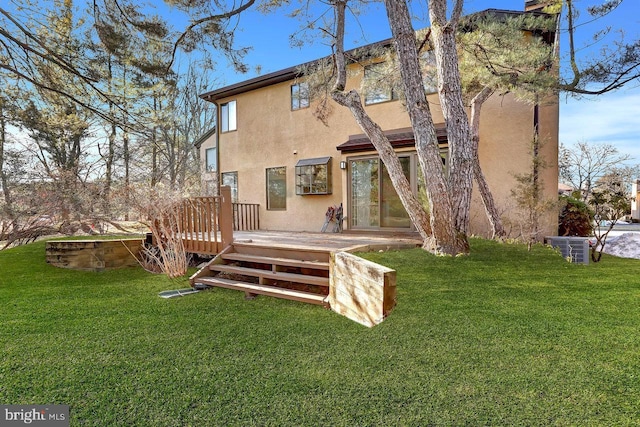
point(246, 216)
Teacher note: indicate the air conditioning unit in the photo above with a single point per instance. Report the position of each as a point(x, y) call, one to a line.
point(572, 248)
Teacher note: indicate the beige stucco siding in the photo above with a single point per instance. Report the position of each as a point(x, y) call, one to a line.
point(269, 135)
point(505, 149)
point(208, 182)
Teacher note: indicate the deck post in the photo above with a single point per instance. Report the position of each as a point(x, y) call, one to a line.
point(226, 216)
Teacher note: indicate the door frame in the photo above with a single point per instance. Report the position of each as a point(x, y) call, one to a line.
point(413, 180)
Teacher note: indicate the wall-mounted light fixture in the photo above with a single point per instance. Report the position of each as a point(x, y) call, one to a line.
point(343, 165)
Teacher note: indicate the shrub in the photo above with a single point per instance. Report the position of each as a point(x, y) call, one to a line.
point(575, 217)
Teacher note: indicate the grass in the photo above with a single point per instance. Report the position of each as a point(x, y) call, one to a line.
point(501, 337)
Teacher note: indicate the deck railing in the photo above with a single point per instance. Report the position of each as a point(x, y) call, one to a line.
point(206, 223)
point(246, 216)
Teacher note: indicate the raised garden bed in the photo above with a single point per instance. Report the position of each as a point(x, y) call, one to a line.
point(93, 255)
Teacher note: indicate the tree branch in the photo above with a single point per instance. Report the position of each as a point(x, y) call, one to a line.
point(201, 21)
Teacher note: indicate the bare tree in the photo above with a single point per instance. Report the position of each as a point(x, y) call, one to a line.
point(609, 201)
point(4, 181)
point(583, 164)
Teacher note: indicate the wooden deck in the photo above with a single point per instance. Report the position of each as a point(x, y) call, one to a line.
point(314, 268)
point(207, 225)
point(330, 242)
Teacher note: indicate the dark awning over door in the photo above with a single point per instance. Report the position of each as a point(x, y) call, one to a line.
point(398, 138)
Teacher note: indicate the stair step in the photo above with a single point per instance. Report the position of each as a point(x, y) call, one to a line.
point(274, 275)
point(318, 265)
point(280, 251)
point(272, 291)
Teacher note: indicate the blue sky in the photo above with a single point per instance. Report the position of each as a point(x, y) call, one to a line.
point(612, 118)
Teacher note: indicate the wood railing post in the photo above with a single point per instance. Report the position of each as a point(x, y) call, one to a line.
point(226, 216)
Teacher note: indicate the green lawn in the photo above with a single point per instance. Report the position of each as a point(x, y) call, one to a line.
point(501, 337)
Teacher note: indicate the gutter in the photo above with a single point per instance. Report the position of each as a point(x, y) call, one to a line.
point(218, 133)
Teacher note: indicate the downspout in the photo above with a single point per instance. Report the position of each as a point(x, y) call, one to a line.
point(535, 179)
point(218, 174)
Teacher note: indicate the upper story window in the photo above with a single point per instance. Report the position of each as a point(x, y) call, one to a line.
point(228, 116)
point(377, 86)
point(299, 96)
point(429, 77)
point(212, 159)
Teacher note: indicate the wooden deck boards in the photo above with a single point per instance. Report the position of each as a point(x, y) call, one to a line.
point(330, 242)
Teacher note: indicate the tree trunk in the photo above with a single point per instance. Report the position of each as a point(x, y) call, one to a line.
point(412, 205)
point(172, 157)
point(127, 173)
point(109, 167)
point(447, 237)
point(453, 110)
point(154, 145)
point(351, 100)
point(485, 193)
point(111, 149)
point(3, 175)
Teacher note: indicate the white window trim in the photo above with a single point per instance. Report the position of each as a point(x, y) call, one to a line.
point(228, 120)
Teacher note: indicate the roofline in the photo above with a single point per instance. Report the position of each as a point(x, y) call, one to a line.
point(251, 84)
point(275, 77)
point(293, 72)
point(504, 13)
point(198, 142)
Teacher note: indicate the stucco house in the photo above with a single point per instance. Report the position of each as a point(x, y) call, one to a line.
point(272, 151)
point(208, 148)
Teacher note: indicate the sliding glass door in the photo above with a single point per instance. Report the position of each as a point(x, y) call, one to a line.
point(374, 202)
point(392, 213)
point(365, 193)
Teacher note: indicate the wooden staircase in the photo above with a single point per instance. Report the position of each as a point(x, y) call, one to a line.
point(299, 274)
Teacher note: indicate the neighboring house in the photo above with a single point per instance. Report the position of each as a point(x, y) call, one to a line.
point(207, 146)
point(564, 189)
point(273, 151)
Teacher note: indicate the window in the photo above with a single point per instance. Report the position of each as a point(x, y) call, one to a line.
point(377, 85)
point(230, 179)
point(277, 188)
point(313, 176)
point(429, 77)
point(299, 96)
point(211, 159)
point(228, 116)
point(374, 201)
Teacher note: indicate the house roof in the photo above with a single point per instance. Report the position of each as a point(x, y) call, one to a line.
point(398, 138)
point(255, 83)
point(293, 72)
point(274, 78)
point(501, 14)
point(198, 142)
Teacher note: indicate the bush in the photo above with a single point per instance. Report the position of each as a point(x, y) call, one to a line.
point(575, 219)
